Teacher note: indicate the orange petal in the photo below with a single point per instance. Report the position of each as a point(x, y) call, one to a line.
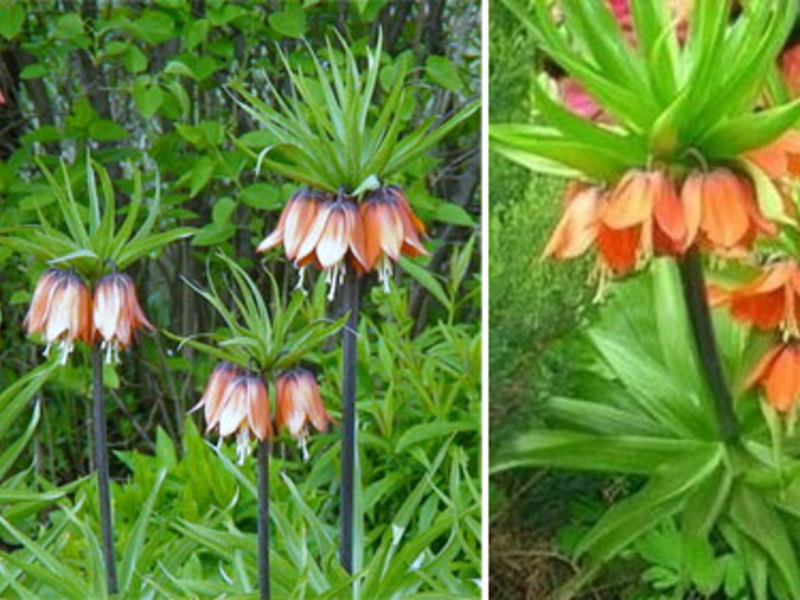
point(631, 202)
point(577, 229)
point(619, 248)
point(782, 381)
point(668, 210)
point(725, 219)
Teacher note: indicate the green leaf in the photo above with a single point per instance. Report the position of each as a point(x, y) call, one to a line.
point(147, 96)
point(264, 196)
point(425, 279)
point(442, 72)
point(290, 22)
point(12, 18)
point(589, 452)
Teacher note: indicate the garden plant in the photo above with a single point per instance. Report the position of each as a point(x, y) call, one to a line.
point(683, 189)
point(156, 156)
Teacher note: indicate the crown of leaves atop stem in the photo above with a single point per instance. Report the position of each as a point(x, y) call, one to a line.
point(668, 99)
point(257, 334)
point(331, 131)
point(90, 243)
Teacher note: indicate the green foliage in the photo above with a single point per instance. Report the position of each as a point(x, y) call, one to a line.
point(671, 102)
point(136, 91)
point(645, 409)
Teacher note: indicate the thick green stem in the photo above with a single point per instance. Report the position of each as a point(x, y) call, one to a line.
point(101, 464)
point(349, 358)
point(263, 520)
point(695, 295)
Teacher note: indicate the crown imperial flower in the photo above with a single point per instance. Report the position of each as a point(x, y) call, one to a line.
point(722, 211)
point(778, 374)
point(770, 301)
point(61, 311)
point(117, 313)
point(299, 403)
point(236, 402)
point(390, 229)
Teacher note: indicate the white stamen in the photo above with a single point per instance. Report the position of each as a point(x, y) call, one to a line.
point(242, 445)
point(302, 443)
point(46, 351)
point(335, 277)
point(65, 346)
point(385, 271)
point(301, 275)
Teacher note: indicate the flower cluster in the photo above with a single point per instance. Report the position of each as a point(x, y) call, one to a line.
point(650, 213)
point(237, 401)
point(64, 311)
point(333, 232)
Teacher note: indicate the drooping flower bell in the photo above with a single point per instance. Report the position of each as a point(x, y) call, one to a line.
point(294, 223)
point(299, 403)
point(779, 159)
point(390, 230)
point(216, 388)
point(722, 212)
point(117, 314)
point(237, 402)
point(778, 375)
point(643, 216)
point(61, 311)
point(770, 301)
point(326, 232)
point(577, 229)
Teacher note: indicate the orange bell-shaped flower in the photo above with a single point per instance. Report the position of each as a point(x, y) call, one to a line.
point(778, 375)
point(643, 216)
point(300, 403)
point(770, 301)
point(390, 229)
point(577, 229)
point(117, 314)
point(61, 311)
point(294, 223)
point(722, 212)
point(779, 159)
point(237, 402)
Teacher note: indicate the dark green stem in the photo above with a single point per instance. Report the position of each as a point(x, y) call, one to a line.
point(695, 295)
point(349, 358)
point(101, 464)
point(263, 520)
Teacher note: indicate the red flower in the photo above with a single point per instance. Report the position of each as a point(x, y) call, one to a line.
point(61, 310)
point(390, 229)
point(778, 375)
point(770, 301)
point(117, 314)
point(722, 212)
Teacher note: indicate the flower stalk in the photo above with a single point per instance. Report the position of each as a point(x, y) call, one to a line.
point(349, 361)
point(101, 464)
point(263, 519)
point(695, 295)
